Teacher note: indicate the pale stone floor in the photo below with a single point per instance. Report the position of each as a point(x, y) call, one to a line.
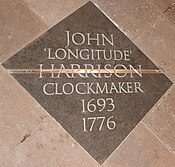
point(29, 137)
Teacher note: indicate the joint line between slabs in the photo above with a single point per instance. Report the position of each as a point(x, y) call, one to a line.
point(165, 145)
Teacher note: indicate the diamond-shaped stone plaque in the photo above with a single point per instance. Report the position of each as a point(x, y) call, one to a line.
point(91, 78)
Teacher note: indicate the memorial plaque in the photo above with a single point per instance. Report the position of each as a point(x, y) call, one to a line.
point(91, 78)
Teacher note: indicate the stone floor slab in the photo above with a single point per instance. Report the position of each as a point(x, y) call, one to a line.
point(162, 120)
point(131, 16)
point(158, 43)
point(57, 9)
point(141, 149)
point(18, 26)
point(162, 5)
point(49, 146)
point(19, 113)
